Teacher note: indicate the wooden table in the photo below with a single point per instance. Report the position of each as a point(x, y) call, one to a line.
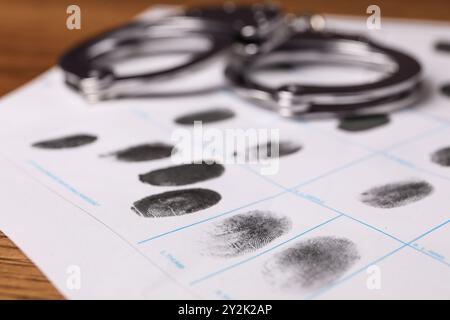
point(33, 34)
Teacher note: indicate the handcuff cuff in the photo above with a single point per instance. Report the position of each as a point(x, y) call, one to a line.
point(253, 38)
point(88, 67)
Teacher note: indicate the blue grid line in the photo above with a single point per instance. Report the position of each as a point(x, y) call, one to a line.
point(385, 233)
point(430, 116)
point(350, 276)
point(386, 151)
point(383, 152)
point(97, 220)
point(339, 214)
point(417, 137)
point(212, 274)
point(333, 171)
point(342, 139)
point(63, 183)
point(430, 255)
point(353, 218)
point(415, 167)
point(296, 193)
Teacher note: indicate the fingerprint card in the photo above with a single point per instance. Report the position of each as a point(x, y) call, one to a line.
point(388, 195)
point(211, 196)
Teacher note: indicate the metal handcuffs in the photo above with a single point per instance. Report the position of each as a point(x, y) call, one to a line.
point(254, 37)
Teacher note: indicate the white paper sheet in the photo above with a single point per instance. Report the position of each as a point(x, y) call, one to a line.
point(69, 210)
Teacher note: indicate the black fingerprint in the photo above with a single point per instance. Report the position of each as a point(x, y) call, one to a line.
point(244, 233)
point(362, 123)
point(270, 150)
point(441, 157)
point(442, 46)
point(143, 152)
point(445, 89)
point(311, 264)
point(176, 203)
point(72, 141)
point(207, 116)
point(183, 174)
point(397, 194)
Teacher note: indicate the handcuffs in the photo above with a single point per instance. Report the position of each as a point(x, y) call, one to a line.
point(251, 38)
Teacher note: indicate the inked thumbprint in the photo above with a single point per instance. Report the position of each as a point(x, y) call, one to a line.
point(311, 264)
point(396, 194)
point(72, 141)
point(176, 203)
point(363, 123)
point(244, 233)
point(183, 174)
point(207, 116)
point(143, 152)
point(441, 157)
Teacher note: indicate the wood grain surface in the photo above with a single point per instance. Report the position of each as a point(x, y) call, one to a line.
point(33, 35)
